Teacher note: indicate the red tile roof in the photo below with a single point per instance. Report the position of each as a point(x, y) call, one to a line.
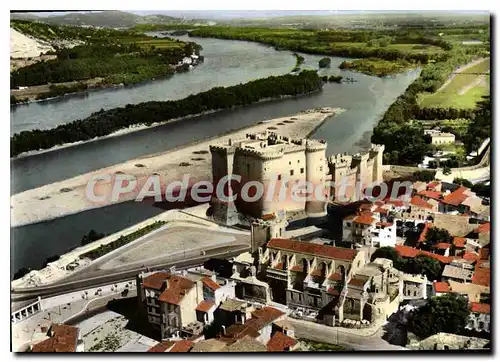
point(357, 282)
point(238, 331)
point(326, 251)
point(210, 283)
point(268, 217)
point(384, 224)
point(364, 219)
point(155, 281)
point(267, 314)
point(297, 268)
point(161, 347)
point(397, 203)
point(483, 228)
point(433, 184)
point(381, 210)
point(409, 252)
point(443, 246)
point(482, 276)
point(205, 305)
point(480, 308)
point(423, 234)
point(182, 346)
point(177, 288)
point(406, 251)
point(335, 276)
point(419, 202)
point(442, 287)
point(436, 195)
point(280, 342)
point(470, 256)
point(63, 339)
point(459, 242)
point(456, 197)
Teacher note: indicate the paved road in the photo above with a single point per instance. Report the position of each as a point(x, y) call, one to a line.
point(66, 286)
point(321, 333)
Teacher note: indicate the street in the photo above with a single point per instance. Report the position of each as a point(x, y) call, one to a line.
point(326, 334)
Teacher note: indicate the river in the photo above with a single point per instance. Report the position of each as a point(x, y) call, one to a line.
point(226, 63)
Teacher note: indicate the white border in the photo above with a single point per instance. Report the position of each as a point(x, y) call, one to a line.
point(201, 5)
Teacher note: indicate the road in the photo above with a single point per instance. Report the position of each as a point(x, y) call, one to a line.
point(65, 286)
point(321, 333)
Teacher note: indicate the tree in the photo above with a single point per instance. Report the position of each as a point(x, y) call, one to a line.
point(324, 62)
point(482, 189)
point(446, 170)
point(480, 128)
point(424, 265)
point(386, 252)
point(437, 235)
point(424, 175)
point(447, 313)
point(463, 182)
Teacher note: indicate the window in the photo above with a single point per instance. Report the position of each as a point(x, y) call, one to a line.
point(302, 170)
point(348, 224)
point(298, 161)
point(291, 172)
point(321, 168)
point(279, 177)
point(289, 162)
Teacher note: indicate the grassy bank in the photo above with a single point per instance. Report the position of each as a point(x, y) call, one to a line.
point(463, 91)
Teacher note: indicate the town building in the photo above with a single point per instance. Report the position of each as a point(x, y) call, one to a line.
point(176, 304)
point(440, 138)
point(479, 317)
point(60, 338)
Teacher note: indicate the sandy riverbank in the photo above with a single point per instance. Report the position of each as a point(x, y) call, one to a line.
point(69, 196)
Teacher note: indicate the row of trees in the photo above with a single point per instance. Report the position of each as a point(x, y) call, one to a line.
point(122, 240)
point(105, 122)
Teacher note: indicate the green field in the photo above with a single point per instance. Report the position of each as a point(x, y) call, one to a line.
point(464, 90)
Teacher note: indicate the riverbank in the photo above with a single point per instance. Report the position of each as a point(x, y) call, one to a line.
point(68, 196)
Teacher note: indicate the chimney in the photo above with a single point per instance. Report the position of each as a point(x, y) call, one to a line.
point(223, 330)
point(230, 142)
point(213, 277)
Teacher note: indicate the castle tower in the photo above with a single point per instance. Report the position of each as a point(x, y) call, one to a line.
point(269, 227)
point(363, 174)
point(377, 152)
point(222, 166)
point(316, 172)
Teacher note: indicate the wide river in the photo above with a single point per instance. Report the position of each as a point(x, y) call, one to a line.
point(226, 63)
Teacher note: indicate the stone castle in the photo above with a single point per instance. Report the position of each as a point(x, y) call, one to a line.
point(279, 163)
